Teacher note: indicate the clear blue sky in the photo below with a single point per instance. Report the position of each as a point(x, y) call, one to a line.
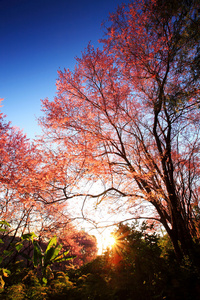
point(38, 37)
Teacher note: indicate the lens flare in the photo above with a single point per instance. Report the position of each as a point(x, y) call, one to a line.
point(108, 241)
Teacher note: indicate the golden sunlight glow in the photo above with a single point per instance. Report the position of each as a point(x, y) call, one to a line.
point(115, 241)
point(109, 241)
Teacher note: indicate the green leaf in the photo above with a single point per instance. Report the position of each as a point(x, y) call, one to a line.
point(7, 253)
point(57, 251)
point(62, 255)
point(44, 280)
point(64, 258)
point(6, 272)
point(18, 246)
point(2, 282)
point(52, 242)
point(36, 258)
point(66, 252)
point(37, 254)
point(49, 256)
point(3, 229)
point(4, 223)
point(28, 236)
point(1, 241)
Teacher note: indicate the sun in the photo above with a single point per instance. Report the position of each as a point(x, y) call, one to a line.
point(106, 241)
point(109, 241)
point(114, 241)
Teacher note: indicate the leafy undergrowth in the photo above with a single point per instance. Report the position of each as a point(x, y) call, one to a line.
point(141, 266)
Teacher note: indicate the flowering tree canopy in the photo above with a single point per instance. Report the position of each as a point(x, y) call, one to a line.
point(128, 115)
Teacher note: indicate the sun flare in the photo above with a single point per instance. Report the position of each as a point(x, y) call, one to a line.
point(114, 241)
point(106, 241)
point(109, 241)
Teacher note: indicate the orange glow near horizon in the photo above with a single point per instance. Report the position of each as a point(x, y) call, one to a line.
point(112, 241)
point(106, 241)
point(109, 241)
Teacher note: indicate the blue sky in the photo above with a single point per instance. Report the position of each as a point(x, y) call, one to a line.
point(37, 38)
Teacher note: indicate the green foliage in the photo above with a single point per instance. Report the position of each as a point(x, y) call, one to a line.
point(51, 255)
point(60, 286)
point(3, 228)
point(143, 266)
point(37, 293)
point(45, 259)
point(16, 292)
point(31, 284)
point(31, 278)
point(29, 236)
point(4, 223)
point(3, 273)
point(28, 284)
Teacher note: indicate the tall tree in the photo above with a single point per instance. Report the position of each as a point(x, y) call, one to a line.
point(128, 115)
point(23, 183)
point(19, 161)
